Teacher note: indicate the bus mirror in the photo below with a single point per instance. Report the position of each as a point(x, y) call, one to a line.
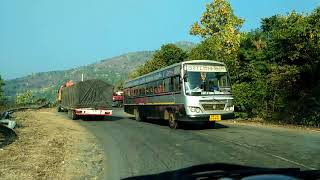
point(185, 77)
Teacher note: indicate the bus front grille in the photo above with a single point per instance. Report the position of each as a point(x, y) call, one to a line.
point(210, 107)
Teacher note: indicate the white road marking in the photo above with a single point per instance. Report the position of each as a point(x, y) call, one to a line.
point(288, 160)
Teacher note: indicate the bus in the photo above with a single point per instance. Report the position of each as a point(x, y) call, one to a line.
point(190, 91)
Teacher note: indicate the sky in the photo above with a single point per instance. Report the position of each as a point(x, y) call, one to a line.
point(46, 35)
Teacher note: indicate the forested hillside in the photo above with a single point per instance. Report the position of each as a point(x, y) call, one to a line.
point(45, 84)
point(111, 70)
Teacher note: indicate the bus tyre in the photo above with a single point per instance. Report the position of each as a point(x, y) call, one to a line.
point(137, 115)
point(173, 124)
point(72, 114)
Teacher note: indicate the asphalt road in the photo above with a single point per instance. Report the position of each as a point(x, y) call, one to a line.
point(140, 148)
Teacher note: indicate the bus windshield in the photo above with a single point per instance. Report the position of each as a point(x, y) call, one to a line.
point(206, 83)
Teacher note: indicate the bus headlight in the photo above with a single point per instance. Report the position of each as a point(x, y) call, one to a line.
point(192, 109)
point(195, 109)
point(230, 103)
point(230, 108)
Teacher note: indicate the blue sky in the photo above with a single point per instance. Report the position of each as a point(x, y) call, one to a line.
point(44, 35)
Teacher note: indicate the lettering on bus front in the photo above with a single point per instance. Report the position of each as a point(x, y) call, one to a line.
point(205, 68)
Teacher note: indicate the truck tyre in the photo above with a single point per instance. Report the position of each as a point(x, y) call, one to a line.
point(72, 114)
point(173, 124)
point(59, 108)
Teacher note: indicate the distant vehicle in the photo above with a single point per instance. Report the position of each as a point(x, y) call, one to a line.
point(193, 91)
point(86, 98)
point(117, 99)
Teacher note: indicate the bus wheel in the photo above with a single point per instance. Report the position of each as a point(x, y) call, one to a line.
point(137, 115)
point(173, 124)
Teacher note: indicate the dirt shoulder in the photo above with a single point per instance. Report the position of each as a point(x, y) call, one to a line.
point(262, 123)
point(50, 146)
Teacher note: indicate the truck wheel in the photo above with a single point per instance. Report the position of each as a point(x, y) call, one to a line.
point(72, 114)
point(173, 124)
point(59, 108)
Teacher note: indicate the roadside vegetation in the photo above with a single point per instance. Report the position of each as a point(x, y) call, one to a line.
point(2, 96)
point(275, 69)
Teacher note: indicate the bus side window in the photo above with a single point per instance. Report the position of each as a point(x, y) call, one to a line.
point(151, 89)
point(167, 85)
point(171, 89)
point(139, 91)
point(160, 86)
point(155, 87)
point(143, 90)
point(176, 84)
point(147, 89)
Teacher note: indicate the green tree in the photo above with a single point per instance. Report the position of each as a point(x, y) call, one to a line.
point(167, 55)
point(24, 98)
point(2, 96)
point(205, 50)
point(119, 85)
point(220, 28)
point(279, 76)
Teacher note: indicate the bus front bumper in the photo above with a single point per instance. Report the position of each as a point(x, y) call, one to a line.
point(205, 117)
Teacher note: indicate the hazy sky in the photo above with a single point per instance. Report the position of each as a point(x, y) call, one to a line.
point(44, 35)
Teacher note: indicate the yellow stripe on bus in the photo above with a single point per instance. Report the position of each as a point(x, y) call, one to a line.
point(162, 103)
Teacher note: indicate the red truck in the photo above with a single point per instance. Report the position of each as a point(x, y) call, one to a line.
point(117, 99)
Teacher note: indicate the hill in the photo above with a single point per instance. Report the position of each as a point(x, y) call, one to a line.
point(46, 84)
point(110, 70)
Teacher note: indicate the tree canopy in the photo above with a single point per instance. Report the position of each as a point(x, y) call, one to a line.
point(279, 74)
point(220, 29)
point(167, 55)
point(2, 96)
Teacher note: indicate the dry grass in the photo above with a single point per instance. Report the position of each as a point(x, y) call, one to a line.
point(275, 124)
point(50, 146)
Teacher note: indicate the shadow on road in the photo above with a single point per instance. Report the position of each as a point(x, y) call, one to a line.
point(202, 126)
point(184, 125)
point(101, 118)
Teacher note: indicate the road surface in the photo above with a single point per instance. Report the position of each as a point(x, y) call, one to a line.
point(140, 148)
